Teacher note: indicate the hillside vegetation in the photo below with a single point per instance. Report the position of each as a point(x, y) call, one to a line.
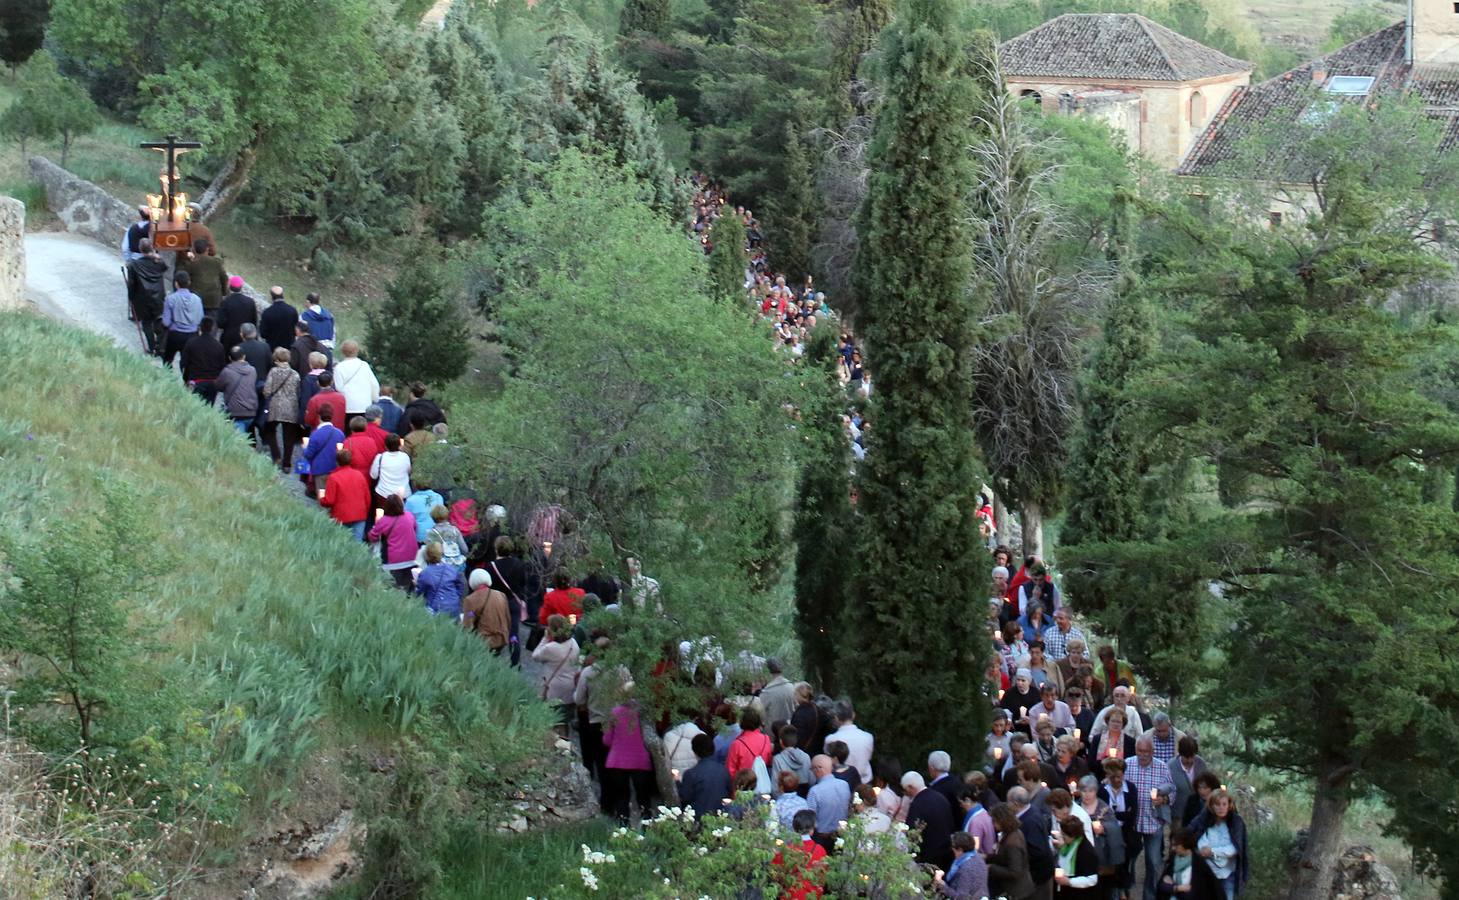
point(258, 645)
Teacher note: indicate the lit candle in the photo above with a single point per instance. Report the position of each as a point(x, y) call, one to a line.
point(1043, 784)
point(321, 493)
point(1000, 695)
point(876, 792)
point(976, 842)
point(1058, 873)
point(997, 753)
point(1098, 827)
point(1155, 793)
point(1223, 787)
point(1113, 753)
point(725, 801)
point(1023, 712)
point(1073, 786)
point(1076, 734)
point(338, 447)
point(675, 773)
point(306, 441)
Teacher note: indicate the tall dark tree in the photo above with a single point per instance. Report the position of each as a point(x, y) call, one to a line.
point(823, 524)
point(645, 16)
point(773, 71)
point(915, 647)
point(22, 28)
point(791, 214)
point(727, 259)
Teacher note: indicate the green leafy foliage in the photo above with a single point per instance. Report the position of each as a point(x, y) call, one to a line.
point(914, 273)
point(415, 334)
point(647, 16)
point(793, 213)
point(727, 259)
point(1294, 376)
point(68, 610)
point(774, 71)
point(1353, 23)
point(823, 523)
point(657, 444)
point(49, 105)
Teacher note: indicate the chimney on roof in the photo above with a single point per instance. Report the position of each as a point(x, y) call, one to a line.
point(1319, 76)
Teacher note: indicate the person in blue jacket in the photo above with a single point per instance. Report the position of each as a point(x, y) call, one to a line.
point(320, 449)
point(319, 320)
point(420, 504)
point(441, 584)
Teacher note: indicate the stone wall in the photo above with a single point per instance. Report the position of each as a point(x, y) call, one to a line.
point(82, 206)
point(12, 253)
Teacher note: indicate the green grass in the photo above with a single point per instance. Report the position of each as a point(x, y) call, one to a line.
point(511, 867)
point(272, 621)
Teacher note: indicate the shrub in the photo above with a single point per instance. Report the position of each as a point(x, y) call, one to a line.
point(420, 332)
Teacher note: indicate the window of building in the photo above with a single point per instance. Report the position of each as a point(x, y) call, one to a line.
point(1274, 219)
point(1350, 85)
point(1198, 109)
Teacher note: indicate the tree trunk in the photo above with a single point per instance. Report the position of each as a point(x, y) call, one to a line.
point(1033, 528)
point(1000, 520)
point(229, 183)
point(65, 148)
point(1313, 880)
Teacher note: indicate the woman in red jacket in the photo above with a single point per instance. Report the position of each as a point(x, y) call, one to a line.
point(749, 744)
point(347, 495)
point(563, 600)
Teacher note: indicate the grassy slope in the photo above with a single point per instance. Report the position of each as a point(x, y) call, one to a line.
point(271, 608)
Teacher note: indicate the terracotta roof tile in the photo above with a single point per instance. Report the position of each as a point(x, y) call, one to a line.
point(1112, 46)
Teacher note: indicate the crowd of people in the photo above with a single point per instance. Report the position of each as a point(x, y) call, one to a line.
point(1080, 790)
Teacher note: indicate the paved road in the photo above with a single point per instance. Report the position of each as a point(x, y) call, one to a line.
point(76, 280)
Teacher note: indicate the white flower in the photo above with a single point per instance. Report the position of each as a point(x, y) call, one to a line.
point(589, 878)
point(702, 851)
point(840, 842)
point(902, 826)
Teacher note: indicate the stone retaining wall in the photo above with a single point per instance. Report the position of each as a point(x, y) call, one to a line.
point(12, 253)
point(82, 206)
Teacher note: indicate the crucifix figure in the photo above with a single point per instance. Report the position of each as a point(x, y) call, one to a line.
point(172, 147)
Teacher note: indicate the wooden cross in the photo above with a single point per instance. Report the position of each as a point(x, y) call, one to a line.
point(172, 147)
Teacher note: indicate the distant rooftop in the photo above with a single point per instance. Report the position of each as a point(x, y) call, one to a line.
point(1112, 46)
point(1245, 138)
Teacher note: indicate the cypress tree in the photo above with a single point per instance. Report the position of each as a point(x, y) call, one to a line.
point(727, 259)
point(792, 213)
point(1104, 499)
point(645, 17)
point(917, 634)
point(823, 523)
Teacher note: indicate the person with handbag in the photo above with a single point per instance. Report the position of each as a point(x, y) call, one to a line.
point(395, 530)
point(559, 656)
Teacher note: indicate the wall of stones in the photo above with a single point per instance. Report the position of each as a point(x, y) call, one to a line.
point(12, 253)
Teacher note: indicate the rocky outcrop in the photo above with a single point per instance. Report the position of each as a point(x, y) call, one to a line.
point(1360, 875)
point(309, 861)
point(12, 253)
point(82, 207)
point(559, 790)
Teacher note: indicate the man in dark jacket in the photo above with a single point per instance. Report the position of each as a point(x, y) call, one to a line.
point(210, 278)
point(146, 289)
point(238, 308)
point(203, 358)
point(1036, 823)
point(428, 409)
point(932, 815)
point(276, 324)
point(305, 343)
point(238, 384)
point(258, 355)
point(705, 787)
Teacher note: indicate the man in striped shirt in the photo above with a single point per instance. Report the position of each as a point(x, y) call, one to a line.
point(1153, 789)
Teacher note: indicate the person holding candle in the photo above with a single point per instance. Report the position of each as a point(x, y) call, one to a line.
point(1153, 789)
point(1077, 874)
point(967, 877)
point(323, 443)
point(1080, 712)
point(347, 496)
point(998, 741)
point(1109, 842)
point(559, 658)
point(1050, 705)
point(1124, 805)
point(1067, 763)
point(1114, 743)
point(1019, 699)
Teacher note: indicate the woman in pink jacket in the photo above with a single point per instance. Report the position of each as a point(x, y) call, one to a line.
point(396, 530)
point(628, 764)
point(749, 744)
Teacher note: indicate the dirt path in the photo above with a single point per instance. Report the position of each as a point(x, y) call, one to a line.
point(78, 281)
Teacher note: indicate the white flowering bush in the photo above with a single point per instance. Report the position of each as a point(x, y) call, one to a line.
point(733, 855)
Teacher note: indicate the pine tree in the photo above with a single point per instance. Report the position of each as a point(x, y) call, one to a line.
point(466, 72)
point(646, 17)
point(823, 523)
point(774, 71)
point(917, 649)
point(727, 260)
point(1106, 492)
point(791, 215)
point(419, 302)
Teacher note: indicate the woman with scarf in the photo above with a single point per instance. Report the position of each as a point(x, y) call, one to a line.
point(1223, 864)
point(1076, 873)
point(967, 877)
